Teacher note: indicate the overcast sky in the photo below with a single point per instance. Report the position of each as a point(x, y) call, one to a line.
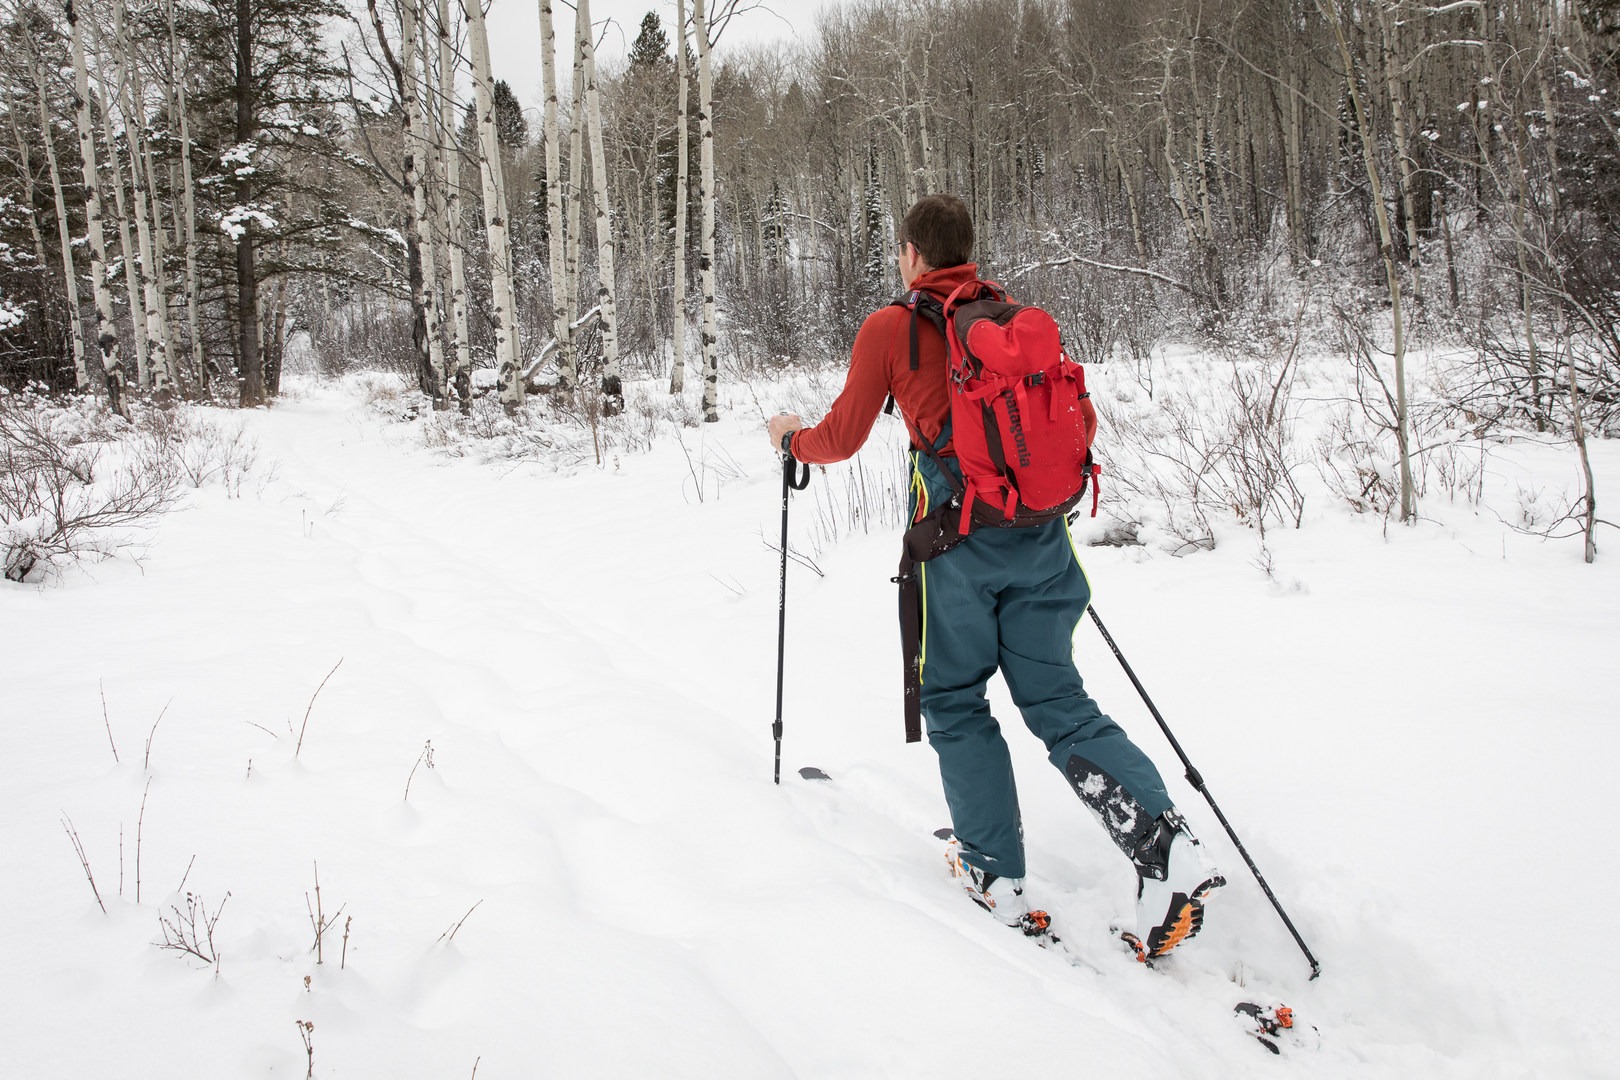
point(514, 32)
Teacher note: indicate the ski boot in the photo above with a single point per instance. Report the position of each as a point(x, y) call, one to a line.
point(1000, 896)
point(1173, 879)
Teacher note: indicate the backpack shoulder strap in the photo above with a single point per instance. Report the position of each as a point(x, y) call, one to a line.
point(926, 305)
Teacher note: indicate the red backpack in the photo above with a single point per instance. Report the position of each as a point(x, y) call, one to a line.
point(1018, 432)
point(1015, 420)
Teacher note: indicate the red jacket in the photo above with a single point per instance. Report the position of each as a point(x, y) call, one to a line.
point(880, 365)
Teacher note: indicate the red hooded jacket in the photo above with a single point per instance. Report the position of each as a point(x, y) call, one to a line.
point(880, 365)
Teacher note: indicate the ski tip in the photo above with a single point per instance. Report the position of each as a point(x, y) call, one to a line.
point(944, 834)
point(810, 772)
point(1138, 949)
point(1268, 1024)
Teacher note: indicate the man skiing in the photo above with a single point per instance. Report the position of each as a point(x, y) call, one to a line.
point(1007, 599)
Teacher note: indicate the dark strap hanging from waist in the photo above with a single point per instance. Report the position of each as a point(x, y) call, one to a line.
point(911, 646)
point(934, 535)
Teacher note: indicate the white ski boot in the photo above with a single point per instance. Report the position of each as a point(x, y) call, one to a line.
point(1000, 896)
point(1174, 877)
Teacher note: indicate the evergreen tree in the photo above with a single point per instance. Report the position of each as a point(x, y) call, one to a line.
point(511, 128)
point(873, 249)
point(265, 122)
point(650, 51)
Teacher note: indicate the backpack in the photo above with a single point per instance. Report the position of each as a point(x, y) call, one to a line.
point(1017, 429)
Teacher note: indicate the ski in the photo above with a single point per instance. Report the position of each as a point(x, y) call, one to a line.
point(1273, 1026)
point(1270, 1023)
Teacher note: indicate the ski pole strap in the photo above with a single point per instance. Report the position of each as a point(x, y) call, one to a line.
point(789, 480)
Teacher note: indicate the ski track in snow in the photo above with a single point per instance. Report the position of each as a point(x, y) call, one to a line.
point(1411, 733)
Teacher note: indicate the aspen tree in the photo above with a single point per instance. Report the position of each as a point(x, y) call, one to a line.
point(133, 268)
point(510, 372)
point(1386, 249)
point(612, 383)
point(112, 363)
point(81, 373)
point(677, 371)
point(143, 195)
point(711, 360)
point(576, 194)
point(158, 302)
point(557, 244)
point(188, 197)
point(1395, 87)
point(450, 164)
point(418, 145)
point(423, 271)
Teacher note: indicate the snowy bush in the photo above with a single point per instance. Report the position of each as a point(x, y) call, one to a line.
point(73, 481)
point(203, 449)
point(1203, 450)
point(562, 429)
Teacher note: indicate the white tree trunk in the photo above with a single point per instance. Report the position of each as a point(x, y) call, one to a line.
point(567, 366)
point(132, 104)
point(510, 377)
point(683, 168)
point(612, 383)
point(416, 162)
point(126, 245)
point(1369, 155)
point(1396, 88)
point(81, 373)
point(711, 337)
point(450, 155)
point(576, 193)
point(112, 362)
point(188, 202)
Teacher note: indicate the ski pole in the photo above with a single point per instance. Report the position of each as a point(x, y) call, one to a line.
point(1196, 779)
point(799, 484)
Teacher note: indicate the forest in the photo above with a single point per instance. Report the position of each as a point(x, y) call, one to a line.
point(418, 662)
point(191, 188)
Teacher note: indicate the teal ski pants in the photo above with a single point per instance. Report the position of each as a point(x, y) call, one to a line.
point(1010, 599)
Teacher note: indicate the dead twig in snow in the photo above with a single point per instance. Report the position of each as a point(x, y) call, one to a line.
point(84, 860)
point(450, 934)
point(105, 719)
point(424, 758)
point(147, 763)
point(140, 824)
point(312, 698)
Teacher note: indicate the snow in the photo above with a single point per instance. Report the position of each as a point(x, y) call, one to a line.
point(235, 221)
point(1411, 728)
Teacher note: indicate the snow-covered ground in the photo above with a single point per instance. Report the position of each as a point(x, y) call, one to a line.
point(1412, 729)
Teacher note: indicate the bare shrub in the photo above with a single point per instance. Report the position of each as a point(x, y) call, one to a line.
point(1189, 457)
point(205, 451)
point(191, 931)
point(72, 485)
point(564, 429)
point(864, 495)
point(318, 919)
point(1357, 462)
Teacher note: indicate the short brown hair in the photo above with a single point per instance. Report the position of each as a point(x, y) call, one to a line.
point(941, 228)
